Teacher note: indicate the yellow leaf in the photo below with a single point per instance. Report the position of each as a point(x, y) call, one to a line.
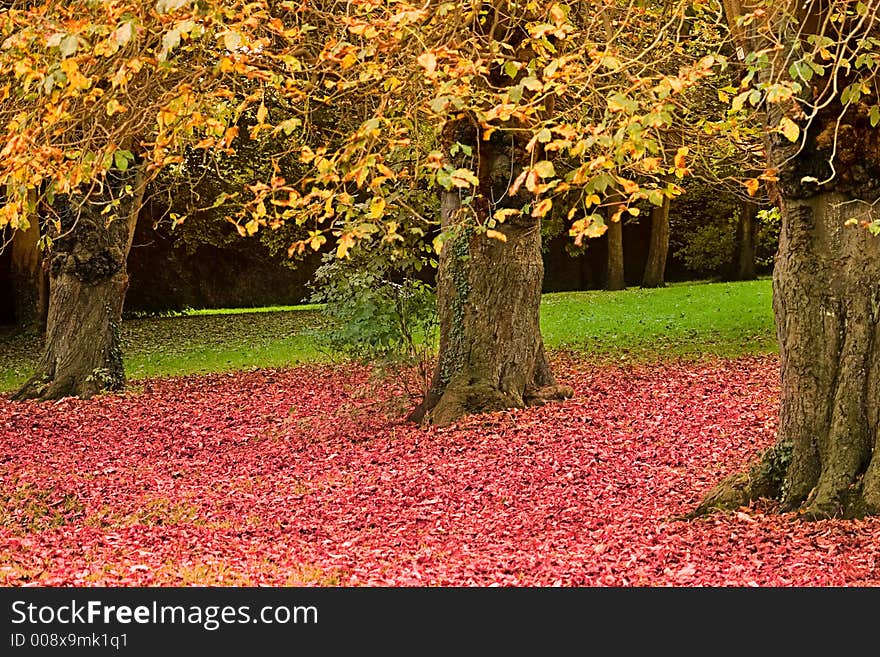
point(514, 188)
point(114, 107)
point(789, 128)
point(629, 186)
point(501, 215)
point(262, 113)
point(531, 181)
point(231, 133)
point(346, 241)
point(377, 208)
point(464, 178)
point(752, 185)
point(496, 235)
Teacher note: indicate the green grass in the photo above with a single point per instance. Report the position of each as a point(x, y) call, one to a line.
point(682, 320)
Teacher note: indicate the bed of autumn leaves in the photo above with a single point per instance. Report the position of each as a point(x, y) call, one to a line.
point(290, 477)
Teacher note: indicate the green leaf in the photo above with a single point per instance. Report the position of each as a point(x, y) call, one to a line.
point(801, 70)
point(851, 93)
point(874, 116)
point(655, 197)
point(620, 103)
point(121, 159)
point(444, 179)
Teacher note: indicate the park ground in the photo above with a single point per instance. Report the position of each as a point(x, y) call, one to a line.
point(242, 454)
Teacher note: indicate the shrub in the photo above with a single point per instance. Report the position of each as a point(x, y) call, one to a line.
point(379, 313)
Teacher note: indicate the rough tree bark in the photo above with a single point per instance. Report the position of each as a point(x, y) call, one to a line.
point(826, 297)
point(491, 353)
point(29, 280)
point(658, 247)
point(82, 354)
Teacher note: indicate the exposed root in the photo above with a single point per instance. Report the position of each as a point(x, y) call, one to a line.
point(545, 394)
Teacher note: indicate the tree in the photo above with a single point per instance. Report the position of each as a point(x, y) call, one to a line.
point(812, 70)
point(99, 97)
point(509, 111)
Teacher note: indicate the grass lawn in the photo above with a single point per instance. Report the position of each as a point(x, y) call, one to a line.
point(682, 320)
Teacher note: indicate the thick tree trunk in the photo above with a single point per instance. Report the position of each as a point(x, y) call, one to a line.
point(491, 354)
point(614, 272)
point(658, 247)
point(29, 279)
point(827, 304)
point(826, 296)
point(82, 354)
point(746, 241)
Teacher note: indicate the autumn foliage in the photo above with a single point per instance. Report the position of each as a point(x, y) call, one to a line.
point(289, 477)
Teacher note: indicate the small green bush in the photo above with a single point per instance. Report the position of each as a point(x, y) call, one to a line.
point(379, 313)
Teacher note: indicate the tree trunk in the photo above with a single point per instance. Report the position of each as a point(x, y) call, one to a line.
point(491, 354)
point(746, 241)
point(826, 298)
point(82, 354)
point(658, 247)
point(614, 274)
point(28, 279)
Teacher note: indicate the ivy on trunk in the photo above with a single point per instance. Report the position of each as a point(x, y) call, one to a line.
point(491, 353)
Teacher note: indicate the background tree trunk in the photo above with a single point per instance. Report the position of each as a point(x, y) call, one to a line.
point(82, 354)
point(658, 247)
point(491, 354)
point(746, 237)
point(614, 272)
point(28, 278)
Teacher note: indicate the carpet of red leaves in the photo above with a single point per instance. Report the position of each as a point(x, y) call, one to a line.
point(287, 477)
